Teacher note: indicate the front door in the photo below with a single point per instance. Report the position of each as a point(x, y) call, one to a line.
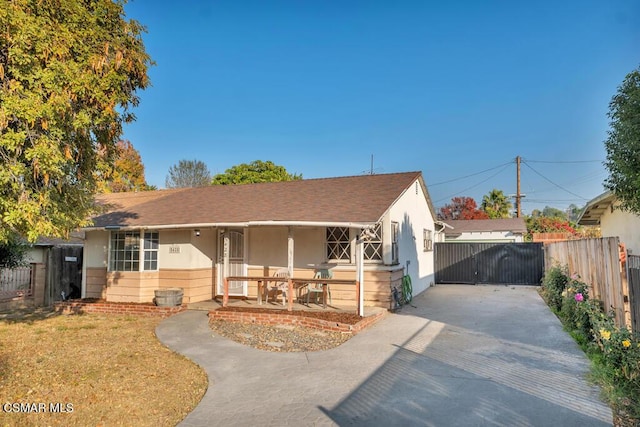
point(237, 266)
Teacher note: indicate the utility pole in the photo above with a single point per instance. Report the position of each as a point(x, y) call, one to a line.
point(518, 195)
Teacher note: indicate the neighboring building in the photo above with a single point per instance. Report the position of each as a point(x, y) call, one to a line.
point(503, 230)
point(605, 211)
point(194, 237)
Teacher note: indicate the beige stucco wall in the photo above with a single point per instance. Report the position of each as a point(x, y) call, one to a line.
point(268, 246)
point(182, 249)
point(625, 225)
point(96, 249)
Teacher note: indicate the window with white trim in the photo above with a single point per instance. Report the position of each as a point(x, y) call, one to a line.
point(338, 244)
point(151, 250)
point(427, 240)
point(127, 250)
point(395, 231)
point(372, 247)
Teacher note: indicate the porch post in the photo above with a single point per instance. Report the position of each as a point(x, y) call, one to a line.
point(360, 275)
point(225, 269)
point(290, 290)
point(290, 243)
point(290, 294)
point(225, 292)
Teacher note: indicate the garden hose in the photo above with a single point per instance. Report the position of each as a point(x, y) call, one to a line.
point(407, 289)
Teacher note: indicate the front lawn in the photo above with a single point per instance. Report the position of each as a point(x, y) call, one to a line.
point(98, 369)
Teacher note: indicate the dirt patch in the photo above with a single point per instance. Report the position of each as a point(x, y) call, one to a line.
point(285, 338)
point(107, 369)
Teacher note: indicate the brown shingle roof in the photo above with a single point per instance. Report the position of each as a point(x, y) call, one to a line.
point(515, 225)
point(358, 199)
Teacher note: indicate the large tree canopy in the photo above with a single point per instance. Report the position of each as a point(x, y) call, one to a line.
point(496, 204)
point(623, 143)
point(188, 173)
point(69, 75)
point(256, 171)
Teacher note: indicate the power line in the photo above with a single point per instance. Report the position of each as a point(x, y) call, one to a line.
point(562, 161)
point(469, 176)
point(559, 186)
point(551, 200)
point(581, 179)
point(504, 166)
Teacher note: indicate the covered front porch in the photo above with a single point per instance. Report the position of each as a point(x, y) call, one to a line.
point(255, 259)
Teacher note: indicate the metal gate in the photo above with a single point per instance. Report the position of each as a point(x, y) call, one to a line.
point(489, 263)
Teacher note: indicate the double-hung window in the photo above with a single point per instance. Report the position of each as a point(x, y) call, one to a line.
point(127, 249)
point(395, 230)
point(427, 240)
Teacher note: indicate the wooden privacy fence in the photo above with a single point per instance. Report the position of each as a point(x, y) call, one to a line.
point(597, 262)
point(15, 282)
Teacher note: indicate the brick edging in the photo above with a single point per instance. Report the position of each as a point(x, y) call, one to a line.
point(76, 307)
point(279, 318)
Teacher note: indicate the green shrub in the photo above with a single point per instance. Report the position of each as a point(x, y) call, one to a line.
point(553, 285)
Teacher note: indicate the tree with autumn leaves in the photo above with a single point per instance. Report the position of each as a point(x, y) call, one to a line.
point(461, 208)
point(70, 73)
point(126, 174)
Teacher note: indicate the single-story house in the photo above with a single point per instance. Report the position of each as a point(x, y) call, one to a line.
point(195, 237)
point(504, 230)
point(605, 210)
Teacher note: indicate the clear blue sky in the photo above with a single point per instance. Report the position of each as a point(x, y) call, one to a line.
point(447, 88)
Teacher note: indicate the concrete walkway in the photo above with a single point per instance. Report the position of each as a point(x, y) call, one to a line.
point(461, 356)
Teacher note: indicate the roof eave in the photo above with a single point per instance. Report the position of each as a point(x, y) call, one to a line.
point(348, 224)
point(606, 197)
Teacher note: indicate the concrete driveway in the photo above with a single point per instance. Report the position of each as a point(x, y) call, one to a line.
point(459, 356)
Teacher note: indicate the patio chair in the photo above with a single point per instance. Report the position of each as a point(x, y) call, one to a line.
point(316, 288)
point(281, 285)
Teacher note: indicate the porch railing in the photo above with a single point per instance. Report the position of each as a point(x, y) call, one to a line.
point(292, 283)
point(15, 283)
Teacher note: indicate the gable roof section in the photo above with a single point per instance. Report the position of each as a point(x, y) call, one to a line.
point(344, 200)
point(515, 225)
point(595, 208)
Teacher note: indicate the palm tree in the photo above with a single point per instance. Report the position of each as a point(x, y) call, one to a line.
point(496, 204)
